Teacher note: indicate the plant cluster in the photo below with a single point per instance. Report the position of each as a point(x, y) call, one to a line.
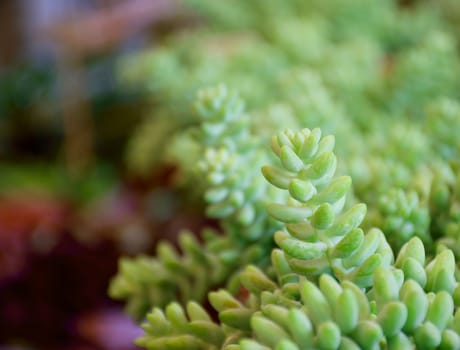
point(313, 250)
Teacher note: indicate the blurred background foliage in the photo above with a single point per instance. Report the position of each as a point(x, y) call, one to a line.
point(95, 121)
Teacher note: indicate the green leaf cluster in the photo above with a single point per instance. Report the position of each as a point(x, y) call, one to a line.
point(235, 193)
point(351, 241)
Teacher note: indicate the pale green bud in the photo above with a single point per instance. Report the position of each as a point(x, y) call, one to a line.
point(385, 286)
point(282, 268)
point(416, 301)
point(286, 345)
point(399, 342)
point(449, 340)
point(287, 213)
point(267, 331)
point(256, 281)
point(300, 328)
point(427, 336)
point(209, 332)
point(363, 275)
point(316, 304)
point(412, 249)
point(328, 336)
point(348, 344)
point(276, 313)
point(246, 215)
point(301, 230)
point(301, 190)
point(346, 312)
point(176, 316)
point(337, 189)
point(157, 319)
point(216, 194)
point(222, 300)
point(348, 221)
point(330, 288)
point(284, 138)
point(322, 168)
point(310, 145)
point(413, 270)
point(440, 272)
point(323, 217)
point(349, 244)
point(392, 318)
point(299, 249)
point(363, 302)
point(367, 334)
point(196, 312)
point(440, 310)
point(277, 177)
point(238, 318)
point(444, 280)
point(370, 245)
point(290, 159)
point(310, 266)
point(220, 210)
point(326, 144)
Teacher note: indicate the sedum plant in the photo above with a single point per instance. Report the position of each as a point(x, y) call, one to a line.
point(302, 265)
point(320, 236)
point(235, 194)
point(402, 216)
point(334, 183)
point(329, 285)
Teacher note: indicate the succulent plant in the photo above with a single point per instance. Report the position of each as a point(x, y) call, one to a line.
point(352, 251)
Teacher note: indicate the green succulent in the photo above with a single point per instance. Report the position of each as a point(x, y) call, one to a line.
point(320, 236)
point(402, 216)
point(410, 302)
point(235, 194)
point(355, 253)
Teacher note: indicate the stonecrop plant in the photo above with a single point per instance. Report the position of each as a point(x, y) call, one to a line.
point(323, 138)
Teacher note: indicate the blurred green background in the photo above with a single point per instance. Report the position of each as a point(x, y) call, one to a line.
point(92, 91)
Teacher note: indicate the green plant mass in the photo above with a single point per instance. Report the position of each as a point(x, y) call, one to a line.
point(323, 137)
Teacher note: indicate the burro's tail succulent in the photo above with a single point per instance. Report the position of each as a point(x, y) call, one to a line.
point(319, 235)
point(225, 159)
point(329, 285)
point(411, 304)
